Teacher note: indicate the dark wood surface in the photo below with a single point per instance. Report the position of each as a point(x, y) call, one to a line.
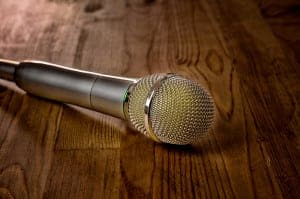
point(245, 52)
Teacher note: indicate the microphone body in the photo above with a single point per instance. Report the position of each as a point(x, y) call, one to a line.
point(165, 107)
point(103, 93)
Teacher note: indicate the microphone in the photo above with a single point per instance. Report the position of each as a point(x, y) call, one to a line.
point(165, 107)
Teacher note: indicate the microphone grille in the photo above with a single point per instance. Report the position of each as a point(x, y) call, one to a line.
point(137, 100)
point(181, 110)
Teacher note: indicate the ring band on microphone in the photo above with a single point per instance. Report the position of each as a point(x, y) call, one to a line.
point(148, 104)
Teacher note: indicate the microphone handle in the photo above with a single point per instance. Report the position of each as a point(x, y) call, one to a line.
point(103, 93)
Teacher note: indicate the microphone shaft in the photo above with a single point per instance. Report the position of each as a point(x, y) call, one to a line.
point(103, 93)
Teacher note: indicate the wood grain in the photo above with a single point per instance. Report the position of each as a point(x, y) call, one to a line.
point(236, 49)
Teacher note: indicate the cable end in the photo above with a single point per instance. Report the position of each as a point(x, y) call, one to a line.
point(7, 69)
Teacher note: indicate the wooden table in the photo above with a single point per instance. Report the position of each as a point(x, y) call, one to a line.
point(52, 150)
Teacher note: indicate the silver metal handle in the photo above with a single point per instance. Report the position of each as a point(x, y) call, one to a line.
point(96, 91)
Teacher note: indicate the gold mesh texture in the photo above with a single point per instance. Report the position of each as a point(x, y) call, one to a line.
point(137, 99)
point(181, 110)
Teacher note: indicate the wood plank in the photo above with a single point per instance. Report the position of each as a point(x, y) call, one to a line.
point(51, 150)
point(43, 157)
point(219, 48)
